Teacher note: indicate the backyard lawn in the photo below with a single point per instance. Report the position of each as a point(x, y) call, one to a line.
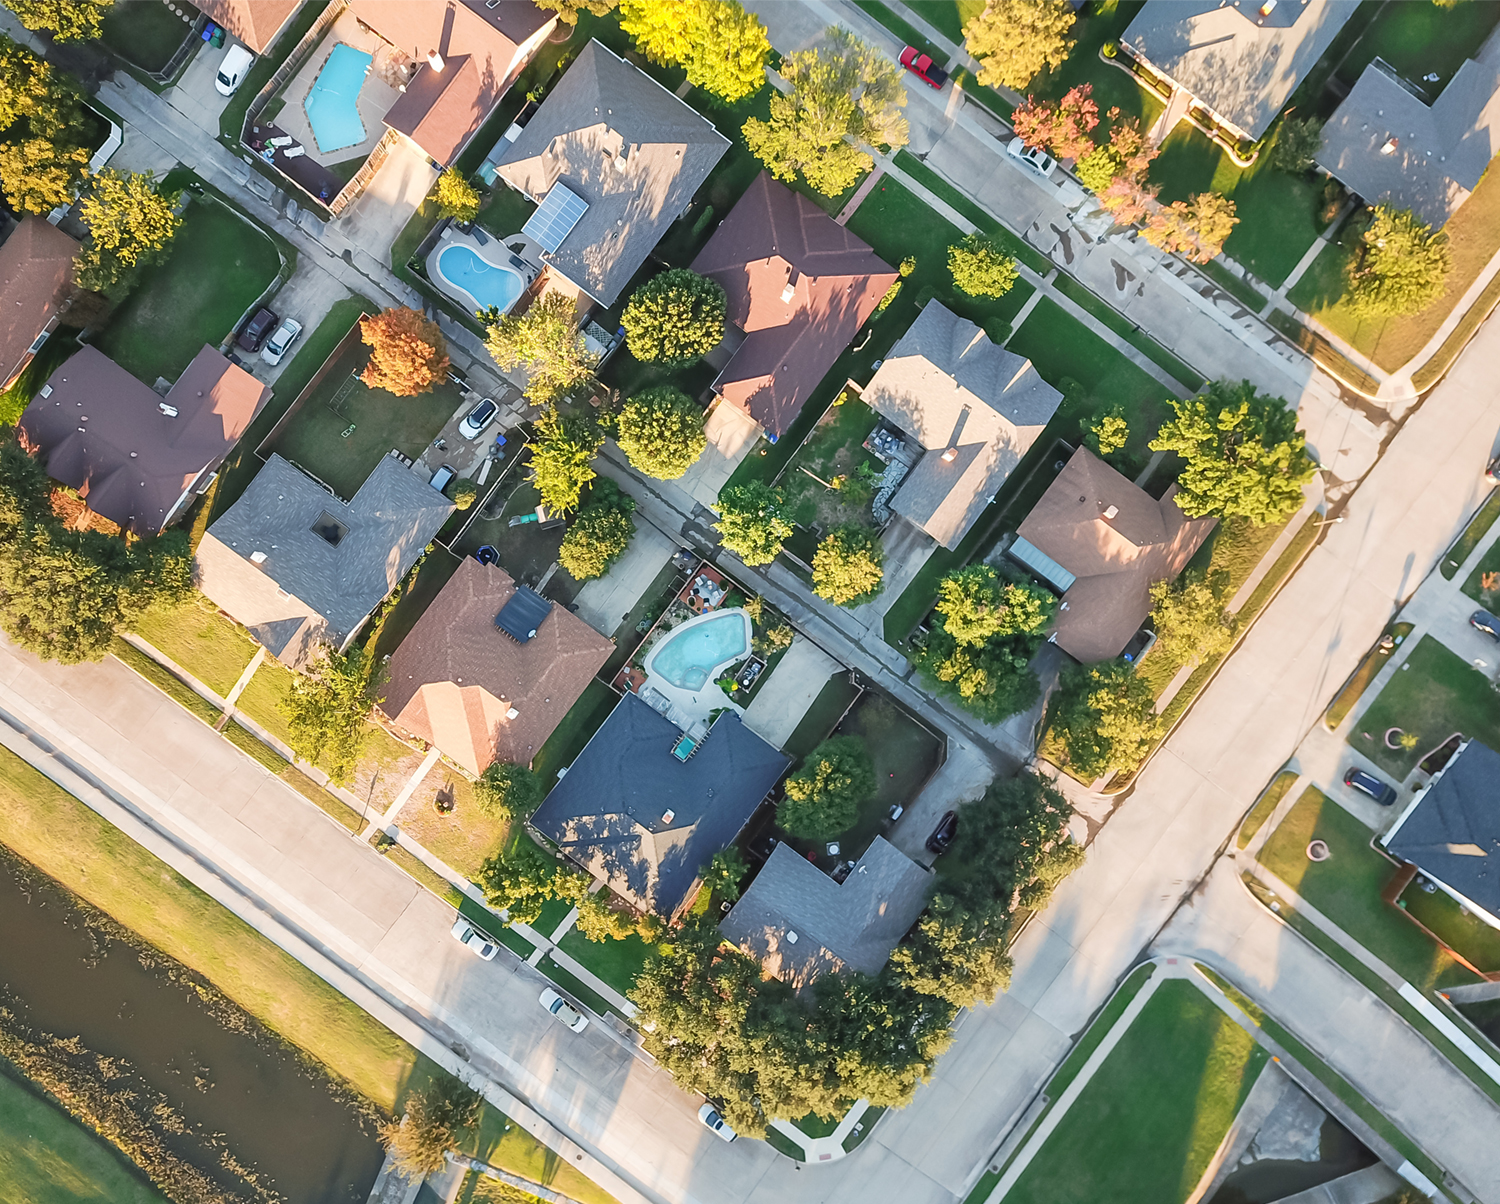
point(526, 552)
point(147, 35)
point(819, 720)
point(1420, 39)
point(832, 450)
point(1151, 1118)
point(576, 729)
point(218, 265)
point(1435, 694)
point(195, 635)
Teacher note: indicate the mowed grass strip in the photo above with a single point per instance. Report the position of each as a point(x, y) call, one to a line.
point(201, 640)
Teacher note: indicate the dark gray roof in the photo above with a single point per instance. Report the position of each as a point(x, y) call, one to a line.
point(946, 384)
point(1451, 831)
point(1437, 153)
point(625, 145)
point(1242, 63)
point(306, 589)
point(636, 816)
point(799, 923)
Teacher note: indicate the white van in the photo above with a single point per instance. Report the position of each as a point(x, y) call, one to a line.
point(232, 70)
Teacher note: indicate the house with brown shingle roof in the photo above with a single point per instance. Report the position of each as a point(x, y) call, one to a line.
point(257, 23)
point(36, 276)
point(135, 456)
point(462, 681)
point(1100, 541)
point(799, 286)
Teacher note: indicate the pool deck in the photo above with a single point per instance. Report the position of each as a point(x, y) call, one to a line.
point(700, 703)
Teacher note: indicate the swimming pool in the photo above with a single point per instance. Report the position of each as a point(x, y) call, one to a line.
point(332, 102)
point(463, 268)
point(690, 656)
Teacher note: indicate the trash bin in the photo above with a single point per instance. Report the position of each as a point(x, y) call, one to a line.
point(217, 38)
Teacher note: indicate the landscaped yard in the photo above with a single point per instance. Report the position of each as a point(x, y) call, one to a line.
point(1419, 39)
point(147, 35)
point(1452, 924)
point(1435, 694)
point(616, 962)
point(526, 552)
point(832, 451)
point(217, 266)
point(1103, 21)
point(462, 838)
point(209, 646)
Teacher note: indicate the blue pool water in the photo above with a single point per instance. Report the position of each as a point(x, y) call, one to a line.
point(467, 269)
point(687, 658)
point(330, 104)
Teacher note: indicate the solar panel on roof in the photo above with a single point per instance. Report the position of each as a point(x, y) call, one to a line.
point(555, 217)
point(523, 614)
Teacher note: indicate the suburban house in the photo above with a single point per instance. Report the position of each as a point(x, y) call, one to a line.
point(645, 807)
point(134, 455)
point(612, 159)
point(301, 568)
point(1100, 541)
point(799, 923)
point(799, 286)
point(36, 279)
point(1239, 59)
point(964, 411)
point(257, 23)
point(1386, 142)
point(1451, 831)
point(491, 668)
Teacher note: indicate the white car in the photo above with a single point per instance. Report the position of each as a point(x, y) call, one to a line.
point(564, 1011)
point(286, 334)
point(1033, 157)
point(478, 418)
point(709, 1115)
point(477, 942)
point(232, 70)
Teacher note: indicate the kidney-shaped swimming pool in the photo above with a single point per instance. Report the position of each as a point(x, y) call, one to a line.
point(462, 268)
point(688, 657)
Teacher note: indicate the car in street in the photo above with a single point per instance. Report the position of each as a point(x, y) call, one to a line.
point(442, 476)
point(473, 423)
point(942, 835)
point(1368, 783)
point(1492, 473)
point(563, 1011)
point(709, 1115)
point(922, 66)
point(232, 70)
point(1033, 157)
point(276, 346)
point(480, 945)
point(1482, 620)
point(256, 330)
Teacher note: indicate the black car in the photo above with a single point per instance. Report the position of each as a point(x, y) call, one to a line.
point(1482, 620)
point(942, 835)
point(1368, 783)
point(256, 330)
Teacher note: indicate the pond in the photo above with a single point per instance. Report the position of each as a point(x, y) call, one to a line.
point(222, 1094)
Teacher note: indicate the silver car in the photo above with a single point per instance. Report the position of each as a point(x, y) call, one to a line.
point(1033, 157)
point(563, 1010)
point(480, 945)
point(276, 346)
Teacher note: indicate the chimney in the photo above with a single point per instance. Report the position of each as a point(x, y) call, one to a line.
point(1390, 146)
point(435, 61)
point(788, 292)
point(1110, 512)
point(512, 713)
point(950, 455)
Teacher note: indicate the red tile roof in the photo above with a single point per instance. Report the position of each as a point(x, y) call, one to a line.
point(36, 273)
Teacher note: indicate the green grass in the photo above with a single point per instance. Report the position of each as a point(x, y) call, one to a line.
point(503, 1143)
point(252, 746)
point(1129, 331)
point(1103, 21)
point(1463, 932)
point(832, 449)
point(948, 17)
point(783, 1144)
point(331, 805)
point(145, 35)
point(1264, 806)
point(46, 1157)
point(186, 697)
point(982, 218)
point(862, 1128)
point(217, 266)
point(553, 912)
point(819, 720)
point(1479, 526)
point(209, 646)
point(55, 351)
point(1149, 1121)
point(1435, 694)
point(1241, 288)
point(1359, 681)
point(1346, 888)
point(232, 119)
point(1417, 39)
point(1488, 564)
point(903, 30)
point(616, 962)
point(267, 688)
point(577, 988)
point(576, 729)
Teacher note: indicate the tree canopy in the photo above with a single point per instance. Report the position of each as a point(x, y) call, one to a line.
point(674, 319)
point(130, 223)
point(505, 790)
point(847, 567)
point(561, 457)
point(753, 521)
point(1400, 266)
point(64, 20)
point(1122, 161)
point(1104, 719)
point(660, 430)
point(567, 10)
point(600, 534)
point(1189, 618)
point(1108, 432)
point(438, 1117)
point(1297, 141)
point(1015, 39)
point(456, 197)
point(544, 342)
point(519, 879)
point(42, 161)
point(981, 267)
point(721, 46)
point(408, 354)
point(325, 710)
point(1196, 229)
point(1061, 127)
point(824, 795)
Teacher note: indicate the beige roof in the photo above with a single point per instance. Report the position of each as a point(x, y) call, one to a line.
point(456, 677)
point(36, 272)
point(255, 22)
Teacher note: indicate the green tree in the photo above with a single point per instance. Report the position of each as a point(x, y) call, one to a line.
point(561, 452)
point(824, 795)
point(597, 920)
point(1104, 719)
point(600, 534)
point(1190, 620)
point(674, 319)
point(1245, 456)
point(544, 342)
point(1195, 229)
point(844, 89)
point(1297, 142)
point(39, 175)
point(956, 954)
point(725, 872)
point(1002, 837)
point(505, 790)
point(660, 430)
point(1400, 266)
point(976, 607)
point(1048, 871)
point(1108, 432)
point(130, 222)
point(47, 101)
point(722, 47)
point(1124, 159)
point(325, 710)
point(980, 267)
point(753, 521)
point(1015, 39)
point(847, 567)
point(456, 197)
point(519, 880)
point(439, 1116)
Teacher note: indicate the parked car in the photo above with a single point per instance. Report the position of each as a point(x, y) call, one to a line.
point(442, 476)
point(1368, 783)
point(709, 1115)
point(563, 1010)
point(478, 418)
point(276, 346)
point(1482, 620)
point(232, 70)
point(1033, 157)
point(922, 66)
point(256, 329)
point(477, 942)
point(1492, 473)
point(942, 835)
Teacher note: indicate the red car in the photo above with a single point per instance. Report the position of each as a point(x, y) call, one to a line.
point(922, 66)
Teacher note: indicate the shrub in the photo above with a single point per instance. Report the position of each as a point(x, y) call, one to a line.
point(847, 567)
point(824, 795)
point(674, 319)
point(980, 268)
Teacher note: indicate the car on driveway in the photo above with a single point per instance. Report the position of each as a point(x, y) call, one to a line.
point(1368, 783)
point(276, 346)
point(922, 66)
point(480, 945)
point(232, 69)
point(709, 1115)
point(474, 422)
point(256, 329)
point(442, 476)
point(942, 835)
point(1033, 157)
point(563, 1011)
point(1482, 620)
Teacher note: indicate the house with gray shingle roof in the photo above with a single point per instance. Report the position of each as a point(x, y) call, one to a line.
point(800, 924)
point(301, 568)
point(973, 407)
point(625, 147)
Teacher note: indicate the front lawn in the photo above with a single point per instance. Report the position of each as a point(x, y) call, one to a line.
point(217, 266)
point(268, 687)
point(616, 962)
point(1104, 21)
point(1487, 570)
point(195, 635)
point(1455, 926)
point(462, 838)
point(1433, 695)
point(948, 17)
point(1479, 526)
point(147, 35)
point(1264, 806)
point(1359, 681)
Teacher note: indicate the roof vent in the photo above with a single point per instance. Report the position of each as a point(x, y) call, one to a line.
point(1268, 8)
point(788, 292)
point(435, 60)
point(46, 390)
point(791, 936)
point(950, 455)
point(169, 411)
point(1111, 511)
point(512, 713)
point(257, 558)
point(668, 816)
point(1390, 146)
point(133, 455)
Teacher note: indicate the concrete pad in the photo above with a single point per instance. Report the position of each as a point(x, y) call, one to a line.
point(774, 713)
point(731, 434)
point(381, 212)
point(604, 602)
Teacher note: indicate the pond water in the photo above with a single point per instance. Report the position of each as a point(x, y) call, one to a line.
point(243, 1093)
point(1271, 1179)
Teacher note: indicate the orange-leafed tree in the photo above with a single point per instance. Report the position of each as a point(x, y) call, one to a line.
point(408, 354)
